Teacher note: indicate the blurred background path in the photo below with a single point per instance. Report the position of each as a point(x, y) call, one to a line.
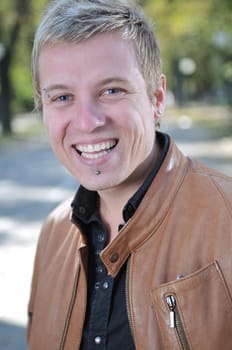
point(32, 182)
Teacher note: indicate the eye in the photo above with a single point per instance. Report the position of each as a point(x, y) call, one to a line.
point(112, 91)
point(112, 94)
point(63, 98)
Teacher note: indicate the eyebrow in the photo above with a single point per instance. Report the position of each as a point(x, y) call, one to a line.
point(116, 80)
point(112, 79)
point(54, 87)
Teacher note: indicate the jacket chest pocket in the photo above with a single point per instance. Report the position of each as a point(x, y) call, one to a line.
point(195, 312)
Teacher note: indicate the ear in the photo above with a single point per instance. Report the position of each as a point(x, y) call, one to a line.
point(159, 99)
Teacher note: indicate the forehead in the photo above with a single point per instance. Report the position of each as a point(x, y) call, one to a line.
point(106, 51)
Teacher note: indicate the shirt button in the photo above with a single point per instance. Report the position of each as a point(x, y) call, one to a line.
point(97, 285)
point(82, 210)
point(98, 340)
point(114, 257)
point(100, 237)
point(99, 269)
point(98, 252)
point(105, 285)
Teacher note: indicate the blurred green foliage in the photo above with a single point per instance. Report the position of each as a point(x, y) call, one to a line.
point(202, 31)
point(18, 20)
point(194, 29)
point(24, 14)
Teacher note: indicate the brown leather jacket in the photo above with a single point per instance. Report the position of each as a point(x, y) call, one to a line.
point(179, 276)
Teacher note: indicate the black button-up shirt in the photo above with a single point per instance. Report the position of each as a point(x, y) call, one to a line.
point(106, 324)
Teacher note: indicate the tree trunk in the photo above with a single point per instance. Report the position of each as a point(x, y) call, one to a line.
point(5, 82)
point(5, 96)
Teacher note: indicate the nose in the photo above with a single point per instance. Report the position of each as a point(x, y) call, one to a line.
point(88, 116)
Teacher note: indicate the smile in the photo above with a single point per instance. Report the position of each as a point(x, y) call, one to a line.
point(95, 151)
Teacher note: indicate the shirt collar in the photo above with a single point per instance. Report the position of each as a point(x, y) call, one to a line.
point(85, 205)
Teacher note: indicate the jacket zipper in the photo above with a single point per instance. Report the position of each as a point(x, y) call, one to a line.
point(175, 321)
point(73, 297)
point(127, 300)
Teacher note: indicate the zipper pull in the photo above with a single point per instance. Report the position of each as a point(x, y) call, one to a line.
point(171, 302)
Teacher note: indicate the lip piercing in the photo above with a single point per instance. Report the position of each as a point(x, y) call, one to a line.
point(97, 172)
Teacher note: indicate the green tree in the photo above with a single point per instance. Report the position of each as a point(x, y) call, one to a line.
point(200, 30)
point(13, 14)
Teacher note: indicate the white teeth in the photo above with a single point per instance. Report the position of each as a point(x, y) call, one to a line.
point(94, 155)
point(87, 151)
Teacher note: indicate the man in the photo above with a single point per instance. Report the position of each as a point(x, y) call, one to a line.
point(141, 257)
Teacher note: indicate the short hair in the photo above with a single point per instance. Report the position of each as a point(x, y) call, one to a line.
point(77, 20)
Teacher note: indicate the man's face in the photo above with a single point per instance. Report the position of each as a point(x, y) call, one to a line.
point(97, 111)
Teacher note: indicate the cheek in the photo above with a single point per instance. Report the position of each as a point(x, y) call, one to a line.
point(147, 133)
point(146, 127)
point(54, 126)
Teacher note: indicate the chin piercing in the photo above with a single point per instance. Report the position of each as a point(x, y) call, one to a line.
point(97, 172)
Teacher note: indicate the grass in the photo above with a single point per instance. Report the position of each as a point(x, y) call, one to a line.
point(202, 113)
point(216, 118)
